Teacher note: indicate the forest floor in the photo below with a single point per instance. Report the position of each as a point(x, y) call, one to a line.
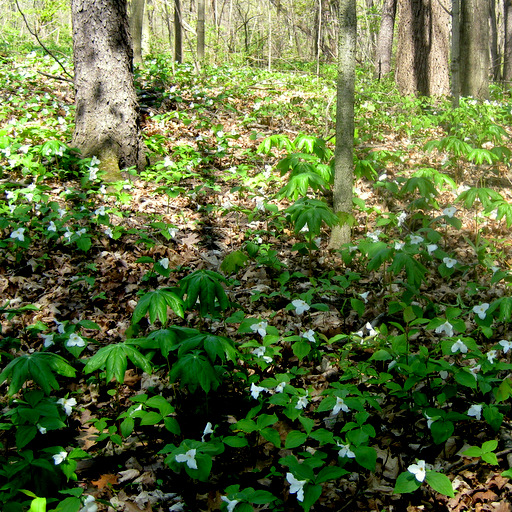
point(213, 210)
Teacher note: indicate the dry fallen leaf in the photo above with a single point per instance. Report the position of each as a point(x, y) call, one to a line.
point(105, 481)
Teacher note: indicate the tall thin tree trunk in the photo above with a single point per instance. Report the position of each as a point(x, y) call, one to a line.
point(178, 35)
point(507, 52)
point(319, 37)
point(455, 53)
point(200, 31)
point(136, 24)
point(344, 151)
point(385, 39)
point(269, 5)
point(495, 55)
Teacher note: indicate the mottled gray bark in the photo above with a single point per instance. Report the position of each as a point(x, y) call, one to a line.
point(106, 118)
point(344, 151)
point(507, 52)
point(136, 25)
point(384, 49)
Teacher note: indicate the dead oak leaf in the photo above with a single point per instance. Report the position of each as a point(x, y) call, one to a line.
point(105, 481)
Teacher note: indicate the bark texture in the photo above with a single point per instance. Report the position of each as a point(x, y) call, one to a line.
point(384, 49)
point(136, 26)
point(106, 119)
point(507, 52)
point(474, 48)
point(344, 151)
point(423, 48)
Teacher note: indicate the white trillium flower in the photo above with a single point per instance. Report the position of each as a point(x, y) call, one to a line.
point(401, 218)
point(109, 233)
point(100, 211)
point(506, 345)
point(474, 371)
point(429, 420)
point(52, 227)
point(90, 505)
point(459, 346)
point(302, 402)
point(447, 328)
point(42, 430)
point(443, 374)
point(309, 335)
point(450, 262)
point(256, 390)
point(59, 458)
point(260, 328)
point(296, 486)
point(75, 340)
point(164, 262)
point(207, 430)
point(339, 406)
point(480, 310)
point(375, 235)
point(491, 356)
point(418, 470)
point(416, 239)
point(475, 411)
point(364, 296)
point(95, 161)
point(345, 451)
point(189, 457)
point(399, 246)
point(67, 404)
point(431, 248)
point(280, 387)
point(48, 340)
point(93, 173)
point(260, 352)
point(300, 306)
point(231, 503)
point(17, 234)
point(450, 211)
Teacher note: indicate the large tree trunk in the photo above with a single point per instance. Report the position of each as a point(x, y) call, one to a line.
point(474, 45)
point(384, 50)
point(106, 118)
point(344, 151)
point(136, 24)
point(423, 48)
point(507, 53)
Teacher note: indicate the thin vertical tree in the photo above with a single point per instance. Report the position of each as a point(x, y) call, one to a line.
point(136, 26)
point(344, 151)
point(455, 53)
point(200, 31)
point(507, 50)
point(384, 49)
point(474, 46)
point(178, 33)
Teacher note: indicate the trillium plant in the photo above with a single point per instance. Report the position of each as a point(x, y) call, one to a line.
point(419, 473)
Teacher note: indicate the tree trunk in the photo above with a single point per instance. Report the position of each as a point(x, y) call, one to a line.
point(136, 24)
point(455, 51)
point(474, 45)
point(507, 53)
point(384, 50)
point(423, 48)
point(344, 151)
point(200, 30)
point(106, 118)
point(495, 54)
point(178, 39)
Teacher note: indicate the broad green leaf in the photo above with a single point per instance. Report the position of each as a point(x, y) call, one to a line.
point(271, 435)
point(330, 473)
point(311, 495)
point(440, 483)
point(295, 439)
point(366, 456)
point(406, 482)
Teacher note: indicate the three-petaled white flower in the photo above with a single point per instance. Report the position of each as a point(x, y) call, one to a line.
point(418, 470)
point(59, 458)
point(302, 402)
point(52, 226)
point(280, 387)
point(491, 356)
point(75, 341)
point(450, 262)
point(164, 262)
point(296, 486)
point(430, 420)
point(260, 352)
point(507, 345)
point(340, 405)
point(300, 306)
point(475, 411)
point(450, 211)
point(42, 430)
point(67, 404)
point(375, 235)
point(207, 430)
point(256, 390)
point(231, 503)
point(480, 310)
point(364, 296)
point(431, 248)
point(474, 371)
point(415, 239)
point(459, 346)
point(189, 457)
point(100, 211)
point(48, 340)
point(90, 505)
point(399, 246)
point(309, 335)
point(17, 234)
point(260, 328)
point(401, 219)
point(345, 451)
point(447, 328)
